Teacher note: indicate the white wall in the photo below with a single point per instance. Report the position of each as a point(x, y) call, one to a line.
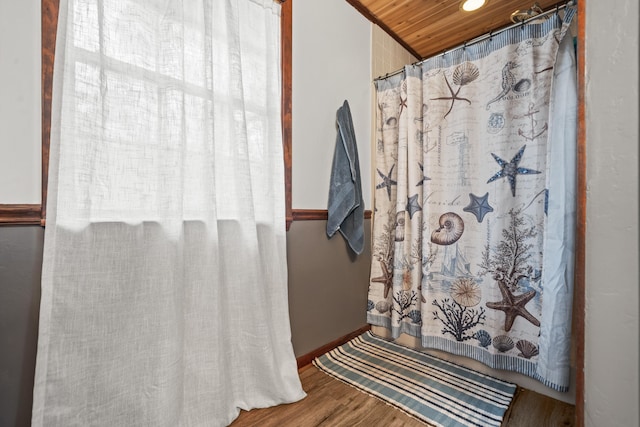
point(20, 123)
point(611, 342)
point(331, 63)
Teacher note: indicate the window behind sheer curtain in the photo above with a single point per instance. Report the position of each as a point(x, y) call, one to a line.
point(160, 110)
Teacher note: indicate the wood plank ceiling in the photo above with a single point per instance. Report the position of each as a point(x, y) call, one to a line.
point(429, 27)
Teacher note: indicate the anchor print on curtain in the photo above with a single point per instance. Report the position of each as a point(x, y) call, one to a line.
point(474, 203)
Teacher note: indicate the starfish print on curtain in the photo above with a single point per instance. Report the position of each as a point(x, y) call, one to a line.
point(387, 182)
point(511, 169)
point(424, 177)
point(479, 206)
point(413, 206)
point(513, 305)
point(462, 75)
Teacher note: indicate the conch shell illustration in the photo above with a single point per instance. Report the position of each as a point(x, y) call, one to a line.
point(450, 230)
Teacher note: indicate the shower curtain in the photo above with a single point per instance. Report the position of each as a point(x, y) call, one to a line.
point(164, 285)
point(475, 201)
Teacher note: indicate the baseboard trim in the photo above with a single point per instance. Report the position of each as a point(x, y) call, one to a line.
point(306, 359)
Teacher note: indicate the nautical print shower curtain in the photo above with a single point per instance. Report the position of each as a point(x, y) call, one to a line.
point(475, 201)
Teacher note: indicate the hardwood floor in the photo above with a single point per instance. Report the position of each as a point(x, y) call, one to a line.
point(331, 403)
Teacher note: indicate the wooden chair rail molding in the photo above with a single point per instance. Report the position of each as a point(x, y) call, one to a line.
point(315, 214)
point(20, 214)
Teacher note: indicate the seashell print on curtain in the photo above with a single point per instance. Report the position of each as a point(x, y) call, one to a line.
point(475, 201)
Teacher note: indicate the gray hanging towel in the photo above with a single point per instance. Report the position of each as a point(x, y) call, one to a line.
point(346, 207)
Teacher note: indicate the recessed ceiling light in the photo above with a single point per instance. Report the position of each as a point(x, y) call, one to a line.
point(470, 5)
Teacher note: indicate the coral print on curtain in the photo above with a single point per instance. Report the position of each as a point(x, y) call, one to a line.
point(474, 202)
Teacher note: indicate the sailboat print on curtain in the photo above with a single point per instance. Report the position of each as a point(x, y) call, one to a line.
point(474, 203)
point(450, 266)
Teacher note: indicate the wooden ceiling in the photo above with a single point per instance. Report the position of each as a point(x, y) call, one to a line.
point(429, 27)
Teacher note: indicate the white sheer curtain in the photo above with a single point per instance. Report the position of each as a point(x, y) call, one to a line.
point(164, 288)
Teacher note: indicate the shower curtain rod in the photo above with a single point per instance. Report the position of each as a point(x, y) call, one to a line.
point(485, 36)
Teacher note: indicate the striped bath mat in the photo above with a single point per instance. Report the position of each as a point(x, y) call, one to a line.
point(435, 391)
